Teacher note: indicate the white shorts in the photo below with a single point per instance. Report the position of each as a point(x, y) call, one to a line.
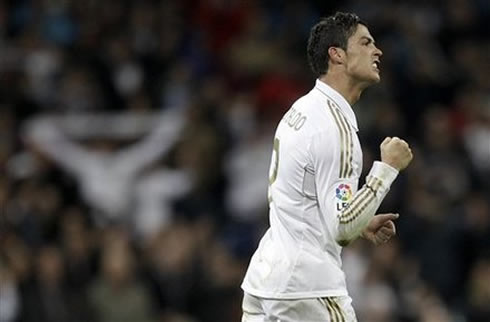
point(325, 309)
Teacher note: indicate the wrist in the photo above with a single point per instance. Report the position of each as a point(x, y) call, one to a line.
point(390, 165)
point(384, 171)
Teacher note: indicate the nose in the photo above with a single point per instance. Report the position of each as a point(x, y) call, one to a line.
point(378, 52)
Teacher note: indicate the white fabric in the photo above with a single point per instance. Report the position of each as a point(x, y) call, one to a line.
point(335, 309)
point(154, 194)
point(314, 203)
point(246, 197)
point(106, 179)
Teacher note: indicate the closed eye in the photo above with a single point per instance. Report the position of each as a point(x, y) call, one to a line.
point(366, 41)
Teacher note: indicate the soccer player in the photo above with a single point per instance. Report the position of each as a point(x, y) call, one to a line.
point(315, 205)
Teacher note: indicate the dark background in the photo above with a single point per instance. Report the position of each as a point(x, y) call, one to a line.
point(84, 82)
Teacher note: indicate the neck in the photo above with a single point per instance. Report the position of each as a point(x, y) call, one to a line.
point(347, 87)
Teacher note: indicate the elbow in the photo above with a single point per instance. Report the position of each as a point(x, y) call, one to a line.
point(343, 238)
point(347, 233)
point(343, 242)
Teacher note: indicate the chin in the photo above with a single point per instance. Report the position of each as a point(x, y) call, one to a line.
point(375, 79)
point(369, 79)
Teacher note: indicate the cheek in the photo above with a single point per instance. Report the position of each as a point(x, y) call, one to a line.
point(360, 64)
point(355, 64)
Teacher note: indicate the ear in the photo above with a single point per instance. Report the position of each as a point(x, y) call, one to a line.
point(336, 54)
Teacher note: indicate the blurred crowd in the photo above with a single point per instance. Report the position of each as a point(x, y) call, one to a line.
point(135, 141)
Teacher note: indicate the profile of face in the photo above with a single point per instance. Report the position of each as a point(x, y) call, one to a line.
point(362, 57)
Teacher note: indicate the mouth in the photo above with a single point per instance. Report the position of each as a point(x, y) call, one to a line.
point(376, 64)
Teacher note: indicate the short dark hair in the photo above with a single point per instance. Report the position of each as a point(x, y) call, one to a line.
point(332, 31)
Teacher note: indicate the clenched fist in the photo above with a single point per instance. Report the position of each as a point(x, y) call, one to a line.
point(396, 153)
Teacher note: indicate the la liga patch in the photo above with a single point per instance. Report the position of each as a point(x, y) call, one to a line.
point(343, 192)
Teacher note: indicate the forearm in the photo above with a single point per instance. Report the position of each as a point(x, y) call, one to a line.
point(106, 125)
point(45, 136)
point(354, 218)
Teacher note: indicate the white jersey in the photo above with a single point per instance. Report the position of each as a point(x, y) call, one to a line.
point(315, 206)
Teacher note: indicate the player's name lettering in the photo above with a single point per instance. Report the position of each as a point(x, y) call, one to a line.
point(294, 119)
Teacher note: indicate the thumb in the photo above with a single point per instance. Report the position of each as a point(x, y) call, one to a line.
point(382, 218)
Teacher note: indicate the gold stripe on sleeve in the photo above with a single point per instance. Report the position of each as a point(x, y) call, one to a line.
point(362, 194)
point(373, 185)
point(361, 201)
point(342, 140)
point(349, 143)
point(357, 210)
point(376, 185)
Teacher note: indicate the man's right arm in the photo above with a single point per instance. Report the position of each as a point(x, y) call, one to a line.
point(352, 219)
